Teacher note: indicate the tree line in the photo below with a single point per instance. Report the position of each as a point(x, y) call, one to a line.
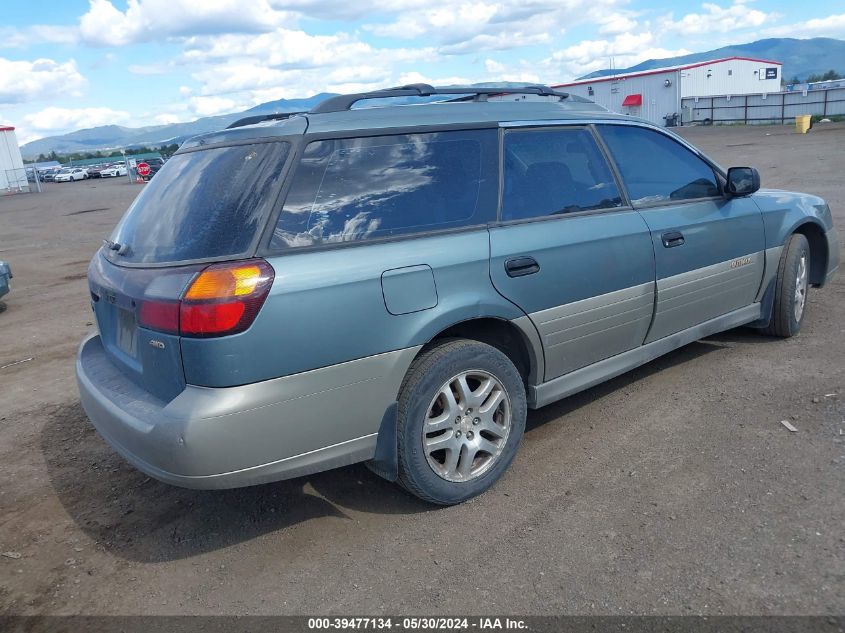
point(830, 75)
point(164, 150)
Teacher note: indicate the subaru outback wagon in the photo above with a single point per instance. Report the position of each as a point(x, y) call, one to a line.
point(399, 284)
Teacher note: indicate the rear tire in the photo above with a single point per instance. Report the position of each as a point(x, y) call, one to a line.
point(461, 417)
point(791, 288)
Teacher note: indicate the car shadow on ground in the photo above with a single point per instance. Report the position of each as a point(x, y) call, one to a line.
point(140, 519)
point(570, 405)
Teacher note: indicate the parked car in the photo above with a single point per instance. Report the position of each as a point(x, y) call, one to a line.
point(96, 171)
point(49, 175)
point(155, 164)
point(71, 173)
point(5, 276)
point(114, 170)
point(429, 274)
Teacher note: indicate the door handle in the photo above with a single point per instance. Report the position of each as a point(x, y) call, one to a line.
point(521, 266)
point(672, 238)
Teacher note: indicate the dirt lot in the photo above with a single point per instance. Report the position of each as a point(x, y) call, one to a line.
point(673, 489)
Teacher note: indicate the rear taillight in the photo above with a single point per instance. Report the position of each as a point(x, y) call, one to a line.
point(160, 315)
point(223, 299)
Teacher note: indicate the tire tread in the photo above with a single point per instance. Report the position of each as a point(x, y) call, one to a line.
point(781, 323)
point(421, 366)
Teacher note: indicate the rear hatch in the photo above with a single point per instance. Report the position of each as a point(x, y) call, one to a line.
point(204, 206)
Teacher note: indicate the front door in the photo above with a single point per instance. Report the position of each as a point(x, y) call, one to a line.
point(708, 248)
point(567, 251)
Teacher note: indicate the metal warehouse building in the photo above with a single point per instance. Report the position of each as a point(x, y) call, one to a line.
point(656, 94)
point(12, 172)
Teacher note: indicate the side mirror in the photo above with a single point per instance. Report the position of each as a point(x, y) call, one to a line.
point(742, 181)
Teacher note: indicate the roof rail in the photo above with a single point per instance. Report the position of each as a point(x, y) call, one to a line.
point(341, 103)
point(250, 120)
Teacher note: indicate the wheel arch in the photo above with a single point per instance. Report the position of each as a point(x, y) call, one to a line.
point(815, 235)
point(517, 339)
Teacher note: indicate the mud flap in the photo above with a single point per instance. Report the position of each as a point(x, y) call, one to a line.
point(385, 463)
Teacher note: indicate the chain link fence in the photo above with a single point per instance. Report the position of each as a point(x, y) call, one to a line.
point(18, 181)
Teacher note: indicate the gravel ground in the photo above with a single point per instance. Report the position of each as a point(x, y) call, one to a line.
point(673, 489)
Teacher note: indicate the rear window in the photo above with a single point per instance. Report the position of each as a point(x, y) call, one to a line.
point(346, 190)
point(206, 204)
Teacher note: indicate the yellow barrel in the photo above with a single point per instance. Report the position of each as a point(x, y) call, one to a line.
point(802, 123)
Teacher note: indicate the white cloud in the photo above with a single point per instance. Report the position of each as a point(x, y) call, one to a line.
point(149, 69)
point(715, 19)
point(25, 81)
point(55, 120)
point(626, 49)
point(831, 26)
point(210, 106)
point(522, 72)
point(494, 68)
point(147, 20)
point(481, 25)
point(11, 37)
point(616, 23)
point(281, 48)
point(288, 63)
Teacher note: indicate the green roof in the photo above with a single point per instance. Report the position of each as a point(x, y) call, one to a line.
point(87, 162)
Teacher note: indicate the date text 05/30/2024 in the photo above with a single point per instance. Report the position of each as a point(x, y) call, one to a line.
point(417, 623)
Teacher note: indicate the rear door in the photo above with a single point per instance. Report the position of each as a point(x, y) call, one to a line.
point(709, 249)
point(568, 251)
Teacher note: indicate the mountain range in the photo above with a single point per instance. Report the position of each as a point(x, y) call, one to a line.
point(799, 57)
point(107, 137)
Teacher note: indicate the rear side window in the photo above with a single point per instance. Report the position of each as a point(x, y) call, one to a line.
point(205, 204)
point(656, 168)
point(549, 172)
point(347, 190)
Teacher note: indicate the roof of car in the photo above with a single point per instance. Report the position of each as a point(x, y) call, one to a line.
point(367, 119)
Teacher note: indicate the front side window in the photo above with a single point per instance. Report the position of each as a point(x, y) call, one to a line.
point(656, 168)
point(549, 172)
point(347, 190)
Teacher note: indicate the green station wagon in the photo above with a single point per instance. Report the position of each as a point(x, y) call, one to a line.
point(400, 284)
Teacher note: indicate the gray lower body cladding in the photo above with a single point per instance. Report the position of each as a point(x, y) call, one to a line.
point(239, 436)
point(705, 293)
point(548, 392)
point(583, 332)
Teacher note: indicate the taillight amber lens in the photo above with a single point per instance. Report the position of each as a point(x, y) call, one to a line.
point(225, 298)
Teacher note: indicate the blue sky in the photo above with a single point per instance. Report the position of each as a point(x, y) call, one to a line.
point(70, 64)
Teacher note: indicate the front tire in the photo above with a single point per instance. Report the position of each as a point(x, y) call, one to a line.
point(461, 417)
point(791, 288)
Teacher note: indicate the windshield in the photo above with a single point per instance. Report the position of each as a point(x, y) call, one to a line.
point(205, 204)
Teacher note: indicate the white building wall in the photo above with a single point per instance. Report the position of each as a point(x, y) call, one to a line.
point(730, 77)
point(12, 174)
point(658, 99)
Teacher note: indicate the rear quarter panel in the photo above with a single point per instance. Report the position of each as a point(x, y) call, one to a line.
point(328, 307)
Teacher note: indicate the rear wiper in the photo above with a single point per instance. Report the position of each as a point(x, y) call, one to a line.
point(120, 249)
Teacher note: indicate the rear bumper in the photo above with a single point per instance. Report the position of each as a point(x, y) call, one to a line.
point(241, 436)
